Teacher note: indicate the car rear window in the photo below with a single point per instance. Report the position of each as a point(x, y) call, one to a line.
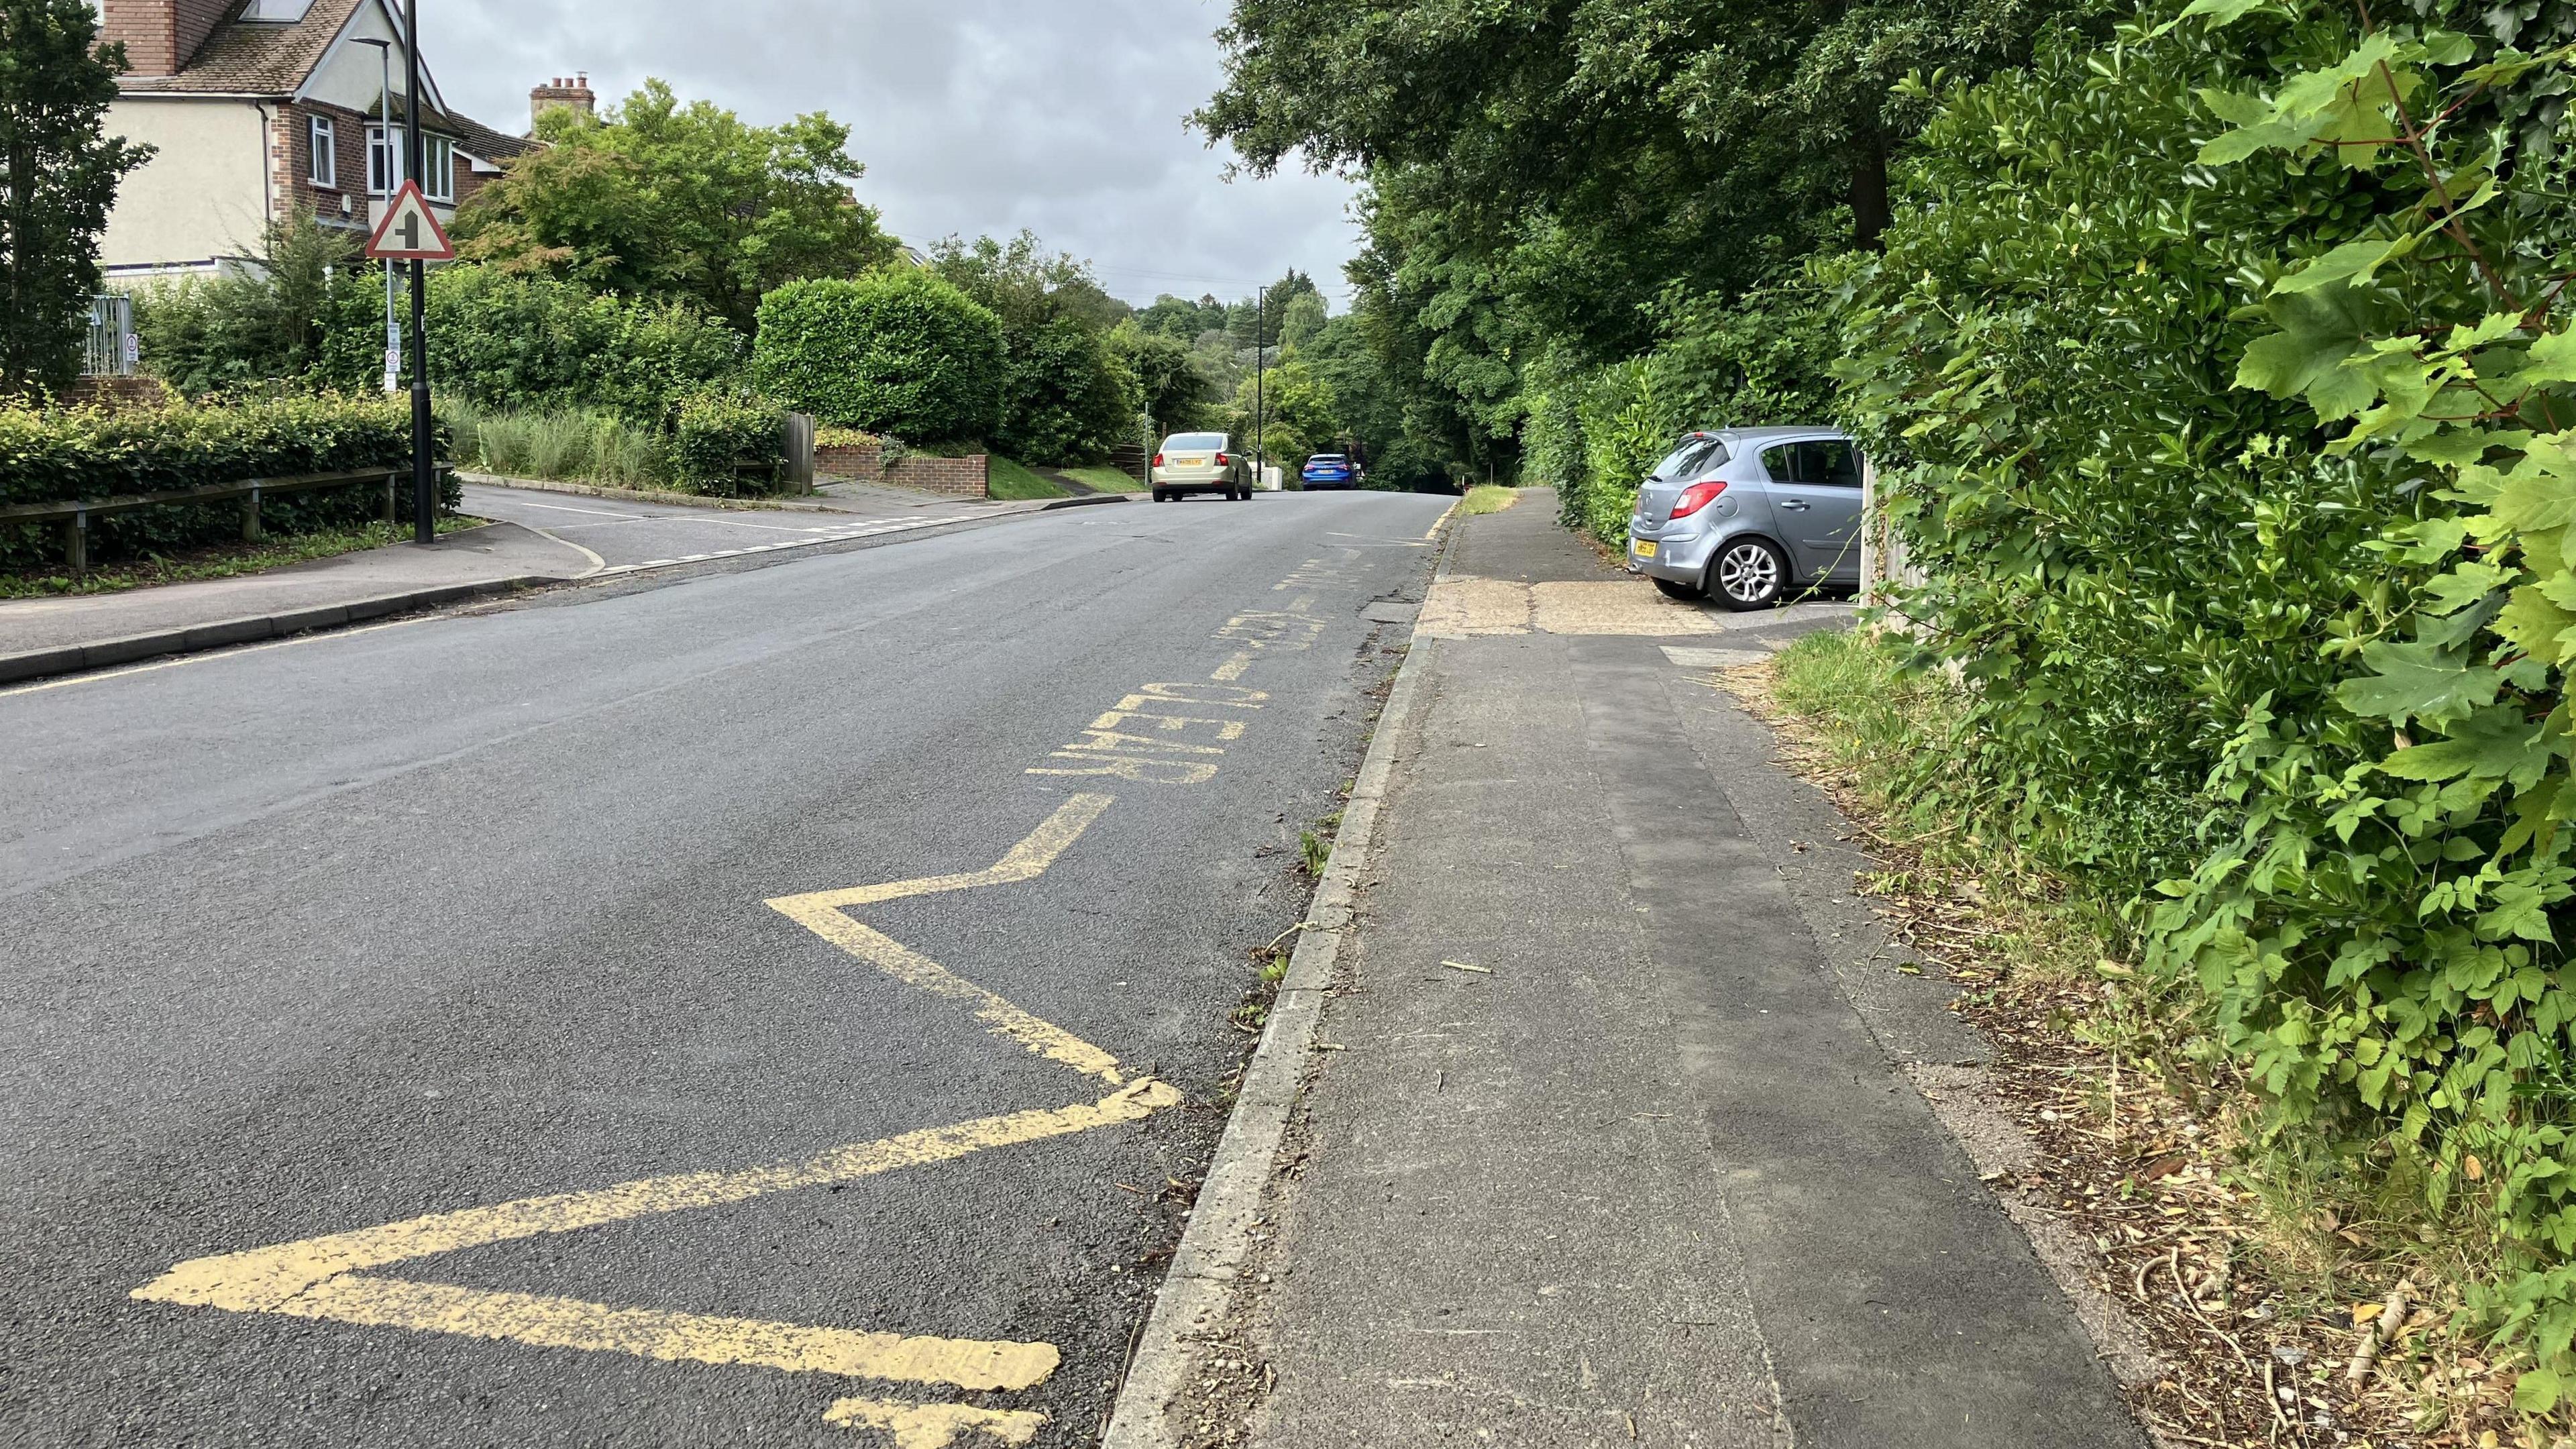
point(1693, 457)
point(1207, 442)
point(1325, 458)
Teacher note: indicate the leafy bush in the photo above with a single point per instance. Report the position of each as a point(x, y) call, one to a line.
point(897, 351)
point(1068, 396)
point(1751, 361)
point(2191, 410)
point(727, 444)
point(313, 316)
point(55, 456)
point(534, 342)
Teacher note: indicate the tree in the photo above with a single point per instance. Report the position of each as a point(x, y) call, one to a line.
point(56, 82)
point(1297, 413)
point(1174, 391)
point(662, 200)
point(1068, 395)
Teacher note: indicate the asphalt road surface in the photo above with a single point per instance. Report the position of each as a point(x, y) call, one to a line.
point(770, 1006)
point(626, 531)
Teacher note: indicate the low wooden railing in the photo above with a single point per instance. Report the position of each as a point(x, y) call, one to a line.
point(76, 513)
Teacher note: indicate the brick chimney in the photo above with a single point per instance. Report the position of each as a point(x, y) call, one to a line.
point(159, 36)
point(575, 93)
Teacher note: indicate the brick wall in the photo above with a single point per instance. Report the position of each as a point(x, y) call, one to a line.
point(967, 477)
point(117, 394)
point(290, 151)
point(159, 36)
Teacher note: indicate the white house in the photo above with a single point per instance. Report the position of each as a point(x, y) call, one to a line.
point(258, 107)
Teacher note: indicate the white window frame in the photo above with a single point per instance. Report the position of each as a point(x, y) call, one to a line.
point(438, 165)
point(384, 160)
point(322, 136)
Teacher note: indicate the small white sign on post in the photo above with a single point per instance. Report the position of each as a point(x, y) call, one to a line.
point(409, 230)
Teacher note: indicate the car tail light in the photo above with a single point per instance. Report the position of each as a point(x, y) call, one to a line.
point(1158, 460)
point(1696, 497)
point(1221, 460)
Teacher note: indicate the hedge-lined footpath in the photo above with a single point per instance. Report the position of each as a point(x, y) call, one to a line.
point(60, 455)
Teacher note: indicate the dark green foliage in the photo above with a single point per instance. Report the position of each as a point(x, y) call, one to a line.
point(308, 313)
point(1068, 395)
point(59, 172)
point(58, 455)
point(1752, 361)
point(667, 201)
point(2227, 436)
point(534, 342)
point(897, 352)
point(1174, 392)
point(313, 316)
point(728, 443)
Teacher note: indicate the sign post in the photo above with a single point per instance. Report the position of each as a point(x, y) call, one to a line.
point(409, 231)
point(421, 227)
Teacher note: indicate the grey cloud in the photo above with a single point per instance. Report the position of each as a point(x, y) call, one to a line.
point(971, 116)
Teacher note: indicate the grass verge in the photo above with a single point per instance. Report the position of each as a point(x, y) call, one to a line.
point(1104, 478)
point(214, 561)
point(1488, 498)
point(2259, 1266)
point(1007, 479)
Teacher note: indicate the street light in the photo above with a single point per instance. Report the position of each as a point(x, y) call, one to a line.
point(384, 145)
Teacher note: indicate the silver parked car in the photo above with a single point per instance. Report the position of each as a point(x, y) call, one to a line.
point(1747, 515)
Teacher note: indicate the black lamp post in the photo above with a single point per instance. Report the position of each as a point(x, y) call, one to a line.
point(424, 482)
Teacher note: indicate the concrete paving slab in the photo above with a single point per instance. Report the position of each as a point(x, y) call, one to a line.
point(1657, 1171)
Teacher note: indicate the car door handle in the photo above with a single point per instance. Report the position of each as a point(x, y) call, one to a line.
point(1793, 505)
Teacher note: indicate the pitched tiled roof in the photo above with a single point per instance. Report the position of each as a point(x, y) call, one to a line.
point(481, 140)
point(259, 57)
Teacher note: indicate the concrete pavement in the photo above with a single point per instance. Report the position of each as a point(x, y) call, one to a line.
point(785, 1005)
point(1607, 1135)
point(88, 631)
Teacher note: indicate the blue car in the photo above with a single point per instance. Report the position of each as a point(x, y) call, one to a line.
point(1329, 470)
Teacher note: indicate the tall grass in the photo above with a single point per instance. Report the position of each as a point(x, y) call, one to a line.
point(578, 447)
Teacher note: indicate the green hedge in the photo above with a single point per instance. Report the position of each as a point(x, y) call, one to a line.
point(58, 455)
point(2224, 409)
point(727, 444)
point(540, 344)
point(495, 340)
point(897, 352)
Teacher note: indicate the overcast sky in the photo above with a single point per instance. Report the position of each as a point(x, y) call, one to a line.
point(972, 116)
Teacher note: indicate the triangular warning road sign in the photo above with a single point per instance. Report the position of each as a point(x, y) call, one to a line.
point(409, 230)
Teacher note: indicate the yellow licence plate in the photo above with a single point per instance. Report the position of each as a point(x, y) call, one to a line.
point(1191, 462)
point(1645, 548)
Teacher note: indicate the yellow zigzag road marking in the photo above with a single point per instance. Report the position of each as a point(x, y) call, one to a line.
point(328, 1278)
point(821, 913)
point(935, 1426)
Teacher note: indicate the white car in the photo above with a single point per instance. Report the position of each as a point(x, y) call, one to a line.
point(1190, 463)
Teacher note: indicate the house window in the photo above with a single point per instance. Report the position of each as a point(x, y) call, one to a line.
point(385, 164)
point(384, 161)
point(438, 168)
point(325, 136)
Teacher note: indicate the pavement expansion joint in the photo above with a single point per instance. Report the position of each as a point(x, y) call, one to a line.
point(331, 1277)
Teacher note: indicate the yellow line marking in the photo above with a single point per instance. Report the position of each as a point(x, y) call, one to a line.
point(1234, 666)
point(547, 1322)
point(268, 1280)
point(328, 1277)
point(935, 1426)
point(822, 913)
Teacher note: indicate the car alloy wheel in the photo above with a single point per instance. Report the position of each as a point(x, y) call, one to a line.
point(1750, 574)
